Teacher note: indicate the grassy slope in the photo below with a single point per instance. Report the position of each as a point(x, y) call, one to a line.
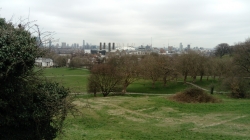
point(155, 117)
point(74, 79)
point(64, 71)
point(145, 86)
point(150, 117)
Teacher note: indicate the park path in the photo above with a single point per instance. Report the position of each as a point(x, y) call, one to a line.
point(205, 89)
point(192, 84)
point(65, 75)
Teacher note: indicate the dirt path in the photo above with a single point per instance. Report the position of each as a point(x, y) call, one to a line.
point(204, 88)
point(66, 75)
point(134, 93)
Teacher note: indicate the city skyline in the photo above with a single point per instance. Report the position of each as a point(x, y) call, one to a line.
point(118, 45)
point(161, 22)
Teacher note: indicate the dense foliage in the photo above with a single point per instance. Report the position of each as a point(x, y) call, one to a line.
point(30, 107)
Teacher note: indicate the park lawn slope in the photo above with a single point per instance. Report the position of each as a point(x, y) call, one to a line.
point(155, 117)
point(145, 86)
point(74, 79)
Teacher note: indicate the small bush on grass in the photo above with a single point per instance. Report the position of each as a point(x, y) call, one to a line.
point(194, 95)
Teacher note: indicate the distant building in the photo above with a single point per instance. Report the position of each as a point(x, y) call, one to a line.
point(170, 49)
point(87, 46)
point(181, 47)
point(63, 44)
point(148, 47)
point(44, 62)
point(83, 44)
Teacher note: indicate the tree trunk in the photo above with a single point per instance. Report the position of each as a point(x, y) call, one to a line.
point(207, 78)
point(153, 84)
point(185, 78)
point(194, 79)
point(124, 88)
point(105, 94)
point(165, 81)
point(201, 77)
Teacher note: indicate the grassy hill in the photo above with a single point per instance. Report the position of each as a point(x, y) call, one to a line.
point(74, 79)
point(148, 117)
point(143, 116)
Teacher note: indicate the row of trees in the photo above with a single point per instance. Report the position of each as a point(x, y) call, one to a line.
point(124, 70)
point(118, 72)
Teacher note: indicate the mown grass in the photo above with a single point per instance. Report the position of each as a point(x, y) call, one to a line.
point(145, 86)
point(64, 71)
point(144, 117)
point(155, 117)
point(74, 79)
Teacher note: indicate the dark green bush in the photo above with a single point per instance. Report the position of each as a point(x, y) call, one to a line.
point(31, 108)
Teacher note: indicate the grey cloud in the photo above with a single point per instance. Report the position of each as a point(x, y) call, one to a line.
point(200, 22)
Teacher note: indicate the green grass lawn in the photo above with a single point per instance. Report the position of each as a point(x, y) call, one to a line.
point(64, 71)
point(74, 79)
point(135, 117)
point(145, 86)
point(147, 117)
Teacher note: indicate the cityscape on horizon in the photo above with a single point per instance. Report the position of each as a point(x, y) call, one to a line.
point(119, 46)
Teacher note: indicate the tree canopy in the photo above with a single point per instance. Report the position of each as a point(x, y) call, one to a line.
point(30, 106)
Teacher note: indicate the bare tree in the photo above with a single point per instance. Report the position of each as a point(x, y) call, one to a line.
point(237, 74)
point(202, 65)
point(128, 68)
point(166, 63)
point(242, 56)
point(75, 62)
point(186, 64)
point(150, 68)
point(222, 49)
point(92, 86)
point(222, 66)
point(106, 78)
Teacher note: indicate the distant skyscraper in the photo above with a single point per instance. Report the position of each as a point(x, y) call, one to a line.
point(104, 46)
point(100, 46)
point(113, 46)
point(87, 46)
point(63, 44)
point(83, 44)
point(181, 46)
point(170, 49)
point(188, 46)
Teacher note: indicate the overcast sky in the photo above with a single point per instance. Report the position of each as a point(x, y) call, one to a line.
point(202, 23)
